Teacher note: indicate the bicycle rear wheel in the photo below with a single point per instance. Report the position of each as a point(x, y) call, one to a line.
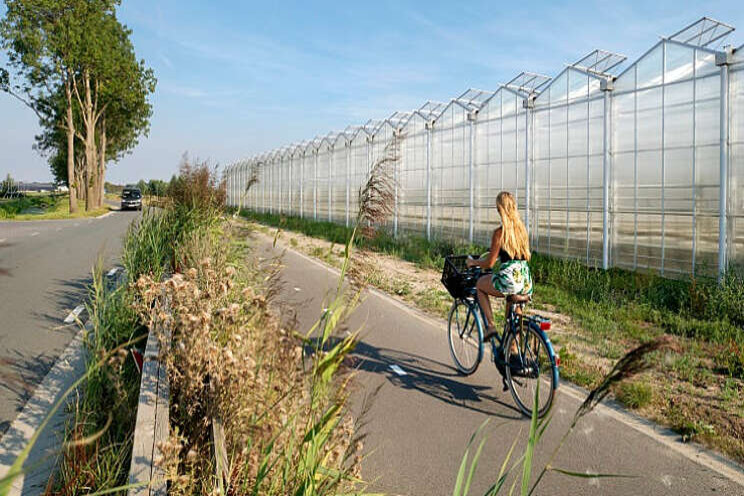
point(465, 332)
point(530, 364)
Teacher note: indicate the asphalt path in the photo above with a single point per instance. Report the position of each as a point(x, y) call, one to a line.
point(418, 424)
point(45, 267)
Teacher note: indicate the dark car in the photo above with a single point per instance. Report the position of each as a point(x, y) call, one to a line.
point(131, 198)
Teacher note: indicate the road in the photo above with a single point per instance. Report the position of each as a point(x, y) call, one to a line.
point(45, 267)
point(418, 424)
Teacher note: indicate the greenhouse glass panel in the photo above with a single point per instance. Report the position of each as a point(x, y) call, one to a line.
point(360, 158)
point(338, 179)
point(657, 174)
point(412, 177)
point(736, 164)
point(450, 202)
point(308, 182)
point(322, 176)
point(489, 162)
point(295, 173)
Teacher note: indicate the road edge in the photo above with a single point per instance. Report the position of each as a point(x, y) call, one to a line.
point(66, 370)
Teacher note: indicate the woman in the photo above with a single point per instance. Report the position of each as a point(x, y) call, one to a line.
point(511, 246)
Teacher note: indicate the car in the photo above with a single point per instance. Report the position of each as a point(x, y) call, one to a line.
point(131, 198)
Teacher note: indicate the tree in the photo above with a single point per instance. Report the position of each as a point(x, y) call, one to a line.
point(43, 39)
point(79, 73)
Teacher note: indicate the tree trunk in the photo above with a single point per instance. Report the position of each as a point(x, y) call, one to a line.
point(79, 177)
point(71, 183)
point(102, 164)
point(90, 146)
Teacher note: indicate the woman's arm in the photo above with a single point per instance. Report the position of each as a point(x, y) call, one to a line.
point(493, 254)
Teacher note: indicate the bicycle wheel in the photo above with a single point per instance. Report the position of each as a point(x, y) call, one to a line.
point(527, 365)
point(465, 331)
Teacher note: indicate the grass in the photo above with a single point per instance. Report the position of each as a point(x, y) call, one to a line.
point(601, 315)
point(98, 438)
point(44, 207)
point(634, 394)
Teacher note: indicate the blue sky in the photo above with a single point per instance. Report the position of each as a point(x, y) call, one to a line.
point(237, 78)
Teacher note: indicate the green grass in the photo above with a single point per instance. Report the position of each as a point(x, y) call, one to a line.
point(99, 435)
point(44, 207)
point(614, 303)
point(635, 394)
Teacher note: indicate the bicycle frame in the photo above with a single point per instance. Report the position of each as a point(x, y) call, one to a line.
point(497, 341)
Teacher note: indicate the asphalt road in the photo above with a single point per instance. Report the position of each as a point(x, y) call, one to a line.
point(419, 424)
point(45, 267)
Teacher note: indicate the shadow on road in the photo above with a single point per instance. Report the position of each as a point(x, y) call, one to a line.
point(433, 378)
point(20, 375)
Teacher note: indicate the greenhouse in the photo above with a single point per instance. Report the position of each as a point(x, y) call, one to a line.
point(638, 164)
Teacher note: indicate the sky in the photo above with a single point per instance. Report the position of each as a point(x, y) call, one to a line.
point(238, 78)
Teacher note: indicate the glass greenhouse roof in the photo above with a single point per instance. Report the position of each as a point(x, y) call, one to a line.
point(706, 33)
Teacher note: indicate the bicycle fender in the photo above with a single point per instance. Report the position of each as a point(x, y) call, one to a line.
point(551, 352)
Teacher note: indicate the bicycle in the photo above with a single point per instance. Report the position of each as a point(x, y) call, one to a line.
point(534, 358)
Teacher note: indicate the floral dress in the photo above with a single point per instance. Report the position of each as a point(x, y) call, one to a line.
point(513, 277)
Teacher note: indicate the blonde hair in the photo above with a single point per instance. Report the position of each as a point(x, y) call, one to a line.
point(514, 239)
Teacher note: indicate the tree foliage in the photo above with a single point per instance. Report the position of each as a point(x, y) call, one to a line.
point(73, 63)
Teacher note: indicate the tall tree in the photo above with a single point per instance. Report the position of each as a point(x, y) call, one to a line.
point(79, 73)
point(43, 39)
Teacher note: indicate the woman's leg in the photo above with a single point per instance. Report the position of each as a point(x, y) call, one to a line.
point(485, 288)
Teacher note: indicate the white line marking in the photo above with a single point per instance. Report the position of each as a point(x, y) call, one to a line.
point(104, 215)
point(398, 370)
point(74, 314)
point(667, 437)
point(2, 240)
point(112, 271)
point(35, 233)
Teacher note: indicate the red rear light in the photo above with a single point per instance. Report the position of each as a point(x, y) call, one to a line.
point(557, 360)
point(545, 325)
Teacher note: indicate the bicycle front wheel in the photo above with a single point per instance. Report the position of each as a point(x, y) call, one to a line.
point(465, 331)
point(527, 364)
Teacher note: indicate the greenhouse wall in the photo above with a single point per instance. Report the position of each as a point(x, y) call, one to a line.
point(613, 168)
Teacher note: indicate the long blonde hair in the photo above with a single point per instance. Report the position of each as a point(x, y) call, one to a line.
point(514, 239)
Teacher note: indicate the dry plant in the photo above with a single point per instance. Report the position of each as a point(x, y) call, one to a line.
point(286, 427)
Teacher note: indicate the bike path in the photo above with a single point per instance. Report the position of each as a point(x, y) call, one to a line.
point(420, 413)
